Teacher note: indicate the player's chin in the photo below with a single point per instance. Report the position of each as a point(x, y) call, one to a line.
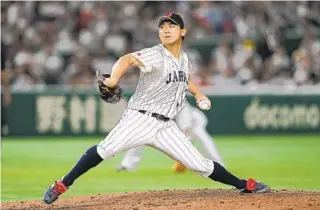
point(168, 41)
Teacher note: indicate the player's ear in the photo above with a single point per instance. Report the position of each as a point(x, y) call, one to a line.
point(183, 32)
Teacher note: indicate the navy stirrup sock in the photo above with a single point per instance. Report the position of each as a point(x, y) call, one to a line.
point(220, 174)
point(89, 159)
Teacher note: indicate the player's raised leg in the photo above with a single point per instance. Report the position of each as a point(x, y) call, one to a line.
point(174, 143)
point(134, 129)
point(131, 159)
point(207, 144)
point(177, 166)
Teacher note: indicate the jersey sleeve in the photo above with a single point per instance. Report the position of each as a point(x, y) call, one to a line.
point(152, 58)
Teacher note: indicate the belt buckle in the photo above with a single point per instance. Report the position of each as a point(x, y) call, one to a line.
point(157, 116)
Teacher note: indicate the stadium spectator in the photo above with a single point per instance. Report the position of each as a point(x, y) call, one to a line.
point(44, 40)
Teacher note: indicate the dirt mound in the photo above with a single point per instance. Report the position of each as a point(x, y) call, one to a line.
point(182, 199)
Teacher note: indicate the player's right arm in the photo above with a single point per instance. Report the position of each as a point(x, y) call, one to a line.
point(145, 59)
point(120, 68)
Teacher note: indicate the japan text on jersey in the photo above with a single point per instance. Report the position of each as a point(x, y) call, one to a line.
point(163, 81)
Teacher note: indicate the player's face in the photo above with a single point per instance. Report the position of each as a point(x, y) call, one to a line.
point(170, 33)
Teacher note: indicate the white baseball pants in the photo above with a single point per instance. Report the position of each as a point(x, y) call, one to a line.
point(136, 129)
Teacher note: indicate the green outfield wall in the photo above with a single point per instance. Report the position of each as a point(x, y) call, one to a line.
point(84, 113)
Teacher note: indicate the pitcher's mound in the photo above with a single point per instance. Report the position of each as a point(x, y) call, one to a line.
point(183, 199)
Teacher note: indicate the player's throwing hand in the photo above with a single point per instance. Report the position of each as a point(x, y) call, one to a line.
point(203, 102)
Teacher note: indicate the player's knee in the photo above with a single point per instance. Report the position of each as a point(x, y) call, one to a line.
point(204, 168)
point(104, 152)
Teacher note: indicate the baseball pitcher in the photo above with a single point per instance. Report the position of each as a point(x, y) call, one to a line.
point(148, 119)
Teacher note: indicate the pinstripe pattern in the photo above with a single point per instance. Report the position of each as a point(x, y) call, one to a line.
point(195, 155)
point(189, 118)
point(119, 126)
point(174, 143)
point(153, 93)
point(193, 119)
point(207, 144)
point(135, 129)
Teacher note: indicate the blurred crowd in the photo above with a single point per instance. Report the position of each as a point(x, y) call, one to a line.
point(55, 42)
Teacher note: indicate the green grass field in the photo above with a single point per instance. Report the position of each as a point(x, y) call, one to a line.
point(30, 165)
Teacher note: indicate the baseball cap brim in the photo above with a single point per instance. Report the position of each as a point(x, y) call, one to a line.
point(164, 18)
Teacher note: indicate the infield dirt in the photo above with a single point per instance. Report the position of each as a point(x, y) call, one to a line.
point(201, 199)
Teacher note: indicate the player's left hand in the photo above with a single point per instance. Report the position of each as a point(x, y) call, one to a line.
point(203, 102)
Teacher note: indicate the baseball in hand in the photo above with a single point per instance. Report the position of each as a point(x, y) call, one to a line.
point(204, 105)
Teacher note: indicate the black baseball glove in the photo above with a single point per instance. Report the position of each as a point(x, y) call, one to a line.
point(109, 95)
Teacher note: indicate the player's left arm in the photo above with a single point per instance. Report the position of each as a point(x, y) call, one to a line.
point(194, 90)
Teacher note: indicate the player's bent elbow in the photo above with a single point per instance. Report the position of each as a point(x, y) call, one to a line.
point(133, 61)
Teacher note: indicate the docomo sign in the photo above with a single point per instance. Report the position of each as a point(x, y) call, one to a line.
point(281, 116)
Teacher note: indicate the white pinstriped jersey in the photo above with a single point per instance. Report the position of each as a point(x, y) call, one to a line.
point(163, 81)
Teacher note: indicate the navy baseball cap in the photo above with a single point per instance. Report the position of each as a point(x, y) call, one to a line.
point(173, 17)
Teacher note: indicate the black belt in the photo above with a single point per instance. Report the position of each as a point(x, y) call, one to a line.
point(157, 116)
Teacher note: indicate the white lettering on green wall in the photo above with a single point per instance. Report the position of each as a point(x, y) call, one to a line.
point(82, 114)
point(50, 113)
point(77, 114)
point(281, 116)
